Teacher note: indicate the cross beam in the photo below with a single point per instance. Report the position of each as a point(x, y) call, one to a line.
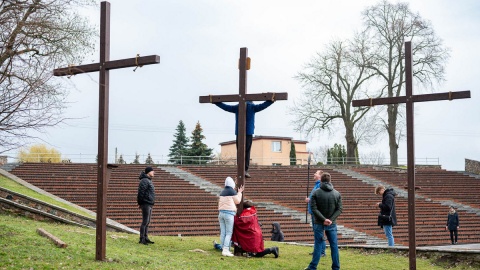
point(241, 98)
point(410, 99)
point(103, 66)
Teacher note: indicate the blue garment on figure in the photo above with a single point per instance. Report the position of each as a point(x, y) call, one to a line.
point(317, 186)
point(250, 113)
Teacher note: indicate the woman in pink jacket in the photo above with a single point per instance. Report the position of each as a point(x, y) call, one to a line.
point(227, 208)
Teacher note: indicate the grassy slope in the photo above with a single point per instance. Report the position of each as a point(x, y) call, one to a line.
point(16, 187)
point(22, 248)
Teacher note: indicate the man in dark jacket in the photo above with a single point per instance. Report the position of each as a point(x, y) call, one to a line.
point(326, 204)
point(387, 209)
point(146, 200)
point(251, 109)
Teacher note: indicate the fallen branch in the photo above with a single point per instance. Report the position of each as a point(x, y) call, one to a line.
point(58, 242)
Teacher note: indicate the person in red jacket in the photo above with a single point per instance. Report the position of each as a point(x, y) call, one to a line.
point(247, 233)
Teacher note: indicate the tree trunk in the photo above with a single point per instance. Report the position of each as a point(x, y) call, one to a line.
point(351, 146)
point(392, 111)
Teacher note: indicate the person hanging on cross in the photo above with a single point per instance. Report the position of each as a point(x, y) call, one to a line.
point(251, 109)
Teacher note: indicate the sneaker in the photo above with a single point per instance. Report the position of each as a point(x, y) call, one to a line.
point(227, 253)
point(149, 241)
point(275, 251)
point(323, 255)
point(247, 175)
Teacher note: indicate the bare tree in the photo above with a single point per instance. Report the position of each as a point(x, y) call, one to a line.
point(35, 37)
point(331, 81)
point(388, 26)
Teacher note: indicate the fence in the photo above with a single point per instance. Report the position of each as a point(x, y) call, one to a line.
point(201, 160)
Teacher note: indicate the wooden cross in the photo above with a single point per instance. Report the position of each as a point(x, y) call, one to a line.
point(409, 99)
point(241, 98)
point(103, 67)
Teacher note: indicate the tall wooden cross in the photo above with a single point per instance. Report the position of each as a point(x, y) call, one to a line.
point(409, 99)
point(241, 98)
point(103, 66)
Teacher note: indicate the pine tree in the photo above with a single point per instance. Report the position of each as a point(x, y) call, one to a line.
point(149, 159)
point(198, 151)
point(137, 159)
point(293, 154)
point(120, 160)
point(180, 144)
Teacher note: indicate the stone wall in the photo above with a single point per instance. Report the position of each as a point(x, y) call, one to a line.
point(472, 166)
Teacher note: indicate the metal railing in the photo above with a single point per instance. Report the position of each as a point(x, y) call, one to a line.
point(202, 160)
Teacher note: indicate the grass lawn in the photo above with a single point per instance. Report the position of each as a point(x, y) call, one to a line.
point(22, 248)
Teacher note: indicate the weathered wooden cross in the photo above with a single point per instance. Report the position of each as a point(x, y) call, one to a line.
point(103, 67)
point(241, 98)
point(409, 99)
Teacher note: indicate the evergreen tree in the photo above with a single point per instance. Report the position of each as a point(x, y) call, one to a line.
point(180, 144)
point(120, 160)
point(137, 159)
point(337, 154)
point(149, 159)
point(198, 151)
point(293, 154)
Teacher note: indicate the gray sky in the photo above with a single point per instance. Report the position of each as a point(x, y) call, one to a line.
point(199, 43)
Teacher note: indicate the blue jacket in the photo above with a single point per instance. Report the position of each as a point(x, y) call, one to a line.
point(250, 117)
point(317, 186)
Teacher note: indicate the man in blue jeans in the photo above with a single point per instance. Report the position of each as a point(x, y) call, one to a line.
point(316, 176)
point(326, 204)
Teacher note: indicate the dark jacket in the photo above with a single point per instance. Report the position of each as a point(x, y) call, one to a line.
point(250, 113)
point(387, 205)
point(326, 203)
point(146, 190)
point(277, 234)
point(452, 221)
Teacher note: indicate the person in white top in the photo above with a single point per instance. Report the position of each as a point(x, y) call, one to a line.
point(227, 208)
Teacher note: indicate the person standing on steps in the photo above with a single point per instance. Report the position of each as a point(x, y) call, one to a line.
point(387, 208)
point(146, 200)
point(251, 109)
point(452, 225)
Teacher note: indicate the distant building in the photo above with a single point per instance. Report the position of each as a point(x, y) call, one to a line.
point(267, 150)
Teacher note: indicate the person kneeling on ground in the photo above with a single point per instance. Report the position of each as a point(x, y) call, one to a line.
point(247, 234)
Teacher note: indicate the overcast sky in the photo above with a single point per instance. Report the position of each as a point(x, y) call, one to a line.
point(199, 43)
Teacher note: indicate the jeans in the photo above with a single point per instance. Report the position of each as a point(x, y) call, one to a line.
point(388, 233)
point(225, 218)
point(324, 244)
point(146, 215)
point(331, 232)
point(452, 233)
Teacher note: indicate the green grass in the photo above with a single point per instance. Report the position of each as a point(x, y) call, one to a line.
point(22, 248)
point(16, 187)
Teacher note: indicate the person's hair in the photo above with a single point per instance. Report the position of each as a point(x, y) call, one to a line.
point(325, 177)
point(247, 204)
point(378, 188)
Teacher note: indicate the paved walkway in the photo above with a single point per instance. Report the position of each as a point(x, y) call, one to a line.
point(467, 248)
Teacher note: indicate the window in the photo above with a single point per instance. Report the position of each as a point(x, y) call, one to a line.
point(276, 146)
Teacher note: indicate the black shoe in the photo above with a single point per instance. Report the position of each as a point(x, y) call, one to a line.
point(275, 251)
point(149, 241)
point(143, 242)
point(247, 175)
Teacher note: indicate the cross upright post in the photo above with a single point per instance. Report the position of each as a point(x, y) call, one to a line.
point(409, 99)
point(242, 98)
point(103, 66)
